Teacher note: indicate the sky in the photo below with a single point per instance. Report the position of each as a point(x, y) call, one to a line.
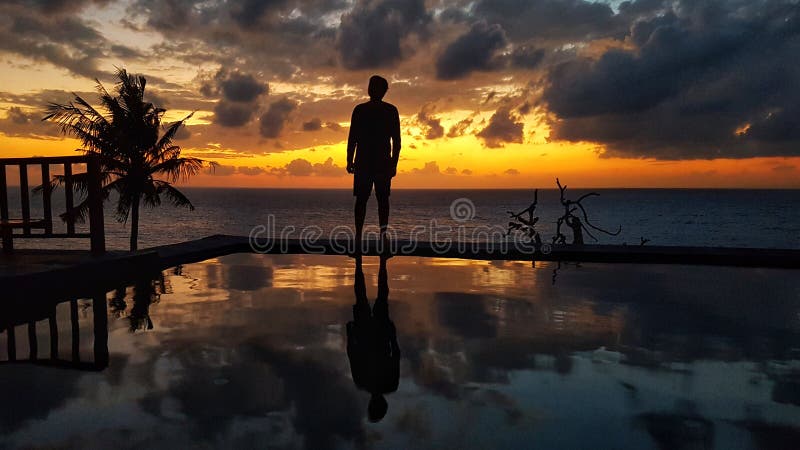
point(491, 93)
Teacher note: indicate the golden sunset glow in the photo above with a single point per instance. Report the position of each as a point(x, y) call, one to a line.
point(495, 125)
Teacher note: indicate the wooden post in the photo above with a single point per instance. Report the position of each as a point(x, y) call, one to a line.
point(46, 199)
point(11, 343)
point(76, 330)
point(8, 240)
point(100, 313)
point(24, 198)
point(3, 193)
point(96, 226)
point(68, 192)
point(33, 341)
point(53, 335)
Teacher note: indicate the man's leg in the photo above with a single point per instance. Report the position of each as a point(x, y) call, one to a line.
point(360, 211)
point(383, 187)
point(383, 214)
point(362, 187)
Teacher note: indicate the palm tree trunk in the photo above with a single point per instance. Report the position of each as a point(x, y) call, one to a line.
point(135, 224)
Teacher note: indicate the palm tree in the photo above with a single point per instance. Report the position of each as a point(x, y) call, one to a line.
point(137, 164)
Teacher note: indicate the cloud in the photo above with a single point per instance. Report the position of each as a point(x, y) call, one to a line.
point(784, 168)
point(52, 36)
point(466, 172)
point(431, 125)
point(333, 126)
point(275, 118)
point(303, 168)
point(18, 116)
point(701, 82)
point(504, 126)
point(460, 128)
point(511, 172)
point(21, 122)
point(550, 19)
point(527, 57)
point(451, 171)
point(371, 34)
point(474, 50)
point(125, 52)
point(430, 168)
point(233, 114)
point(250, 171)
point(313, 124)
point(223, 170)
point(239, 93)
point(240, 87)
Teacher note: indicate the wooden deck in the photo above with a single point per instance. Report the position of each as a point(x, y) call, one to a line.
point(37, 273)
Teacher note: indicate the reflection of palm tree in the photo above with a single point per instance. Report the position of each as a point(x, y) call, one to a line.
point(145, 292)
point(372, 343)
point(131, 152)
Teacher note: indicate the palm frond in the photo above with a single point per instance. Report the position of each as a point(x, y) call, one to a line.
point(178, 168)
point(176, 197)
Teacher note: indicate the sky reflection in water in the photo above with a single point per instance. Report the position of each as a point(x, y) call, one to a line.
point(251, 351)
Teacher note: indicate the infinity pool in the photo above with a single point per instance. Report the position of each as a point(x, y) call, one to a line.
point(252, 351)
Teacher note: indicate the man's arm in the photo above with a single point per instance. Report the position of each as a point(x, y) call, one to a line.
point(351, 143)
point(395, 141)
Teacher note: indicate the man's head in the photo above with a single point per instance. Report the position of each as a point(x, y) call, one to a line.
point(377, 408)
point(377, 87)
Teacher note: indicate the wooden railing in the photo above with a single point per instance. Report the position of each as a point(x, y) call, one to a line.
point(22, 227)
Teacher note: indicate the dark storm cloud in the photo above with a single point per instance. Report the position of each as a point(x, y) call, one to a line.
point(59, 39)
point(239, 93)
point(371, 34)
point(125, 52)
point(248, 13)
point(548, 19)
point(282, 38)
point(710, 79)
point(431, 125)
point(313, 124)
point(234, 86)
point(527, 57)
point(233, 114)
point(239, 87)
point(18, 116)
point(504, 126)
point(474, 50)
point(51, 7)
point(275, 118)
point(21, 122)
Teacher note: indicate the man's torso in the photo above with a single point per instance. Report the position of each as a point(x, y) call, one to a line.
point(373, 124)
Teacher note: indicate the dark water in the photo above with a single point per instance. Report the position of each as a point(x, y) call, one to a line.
point(250, 351)
point(732, 218)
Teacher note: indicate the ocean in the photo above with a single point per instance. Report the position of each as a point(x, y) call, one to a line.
point(696, 217)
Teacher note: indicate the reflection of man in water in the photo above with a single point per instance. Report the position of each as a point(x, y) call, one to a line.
point(371, 158)
point(372, 343)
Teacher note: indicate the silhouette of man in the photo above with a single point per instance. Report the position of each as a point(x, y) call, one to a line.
point(372, 344)
point(371, 157)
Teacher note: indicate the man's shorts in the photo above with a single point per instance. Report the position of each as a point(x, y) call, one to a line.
point(363, 182)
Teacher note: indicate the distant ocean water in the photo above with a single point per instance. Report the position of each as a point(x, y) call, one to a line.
point(702, 217)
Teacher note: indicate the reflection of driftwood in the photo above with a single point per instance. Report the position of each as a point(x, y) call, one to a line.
point(558, 268)
point(573, 221)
